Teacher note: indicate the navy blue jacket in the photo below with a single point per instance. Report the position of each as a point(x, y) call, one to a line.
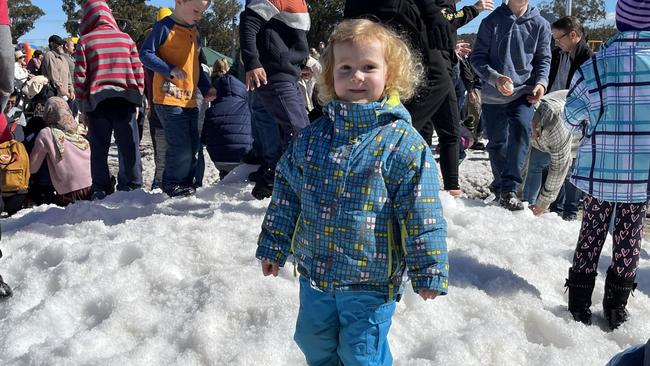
point(227, 130)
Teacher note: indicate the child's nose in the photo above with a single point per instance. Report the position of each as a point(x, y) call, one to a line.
point(357, 75)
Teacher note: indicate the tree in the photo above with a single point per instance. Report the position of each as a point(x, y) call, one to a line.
point(23, 16)
point(324, 14)
point(133, 16)
point(585, 10)
point(219, 26)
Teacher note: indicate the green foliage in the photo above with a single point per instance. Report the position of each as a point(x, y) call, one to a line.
point(324, 14)
point(585, 10)
point(23, 16)
point(133, 16)
point(219, 26)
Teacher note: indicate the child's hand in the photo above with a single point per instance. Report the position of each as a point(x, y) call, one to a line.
point(428, 294)
point(536, 94)
point(270, 268)
point(212, 95)
point(255, 78)
point(178, 74)
point(504, 85)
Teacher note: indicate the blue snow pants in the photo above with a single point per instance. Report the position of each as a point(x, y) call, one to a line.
point(344, 328)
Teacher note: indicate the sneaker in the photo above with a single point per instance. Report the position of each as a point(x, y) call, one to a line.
point(569, 217)
point(509, 201)
point(181, 191)
point(477, 146)
point(5, 290)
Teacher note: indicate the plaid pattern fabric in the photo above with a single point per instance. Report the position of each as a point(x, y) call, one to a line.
point(613, 161)
point(356, 193)
point(553, 138)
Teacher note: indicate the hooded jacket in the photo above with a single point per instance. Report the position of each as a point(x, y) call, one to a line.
point(356, 202)
point(107, 62)
point(517, 47)
point(609, 104)
point(227, 132)
point(273, 35)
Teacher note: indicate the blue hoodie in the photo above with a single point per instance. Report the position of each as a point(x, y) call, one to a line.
point(519, 48)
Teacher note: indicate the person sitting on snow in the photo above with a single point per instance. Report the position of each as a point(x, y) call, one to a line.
point(67, 152)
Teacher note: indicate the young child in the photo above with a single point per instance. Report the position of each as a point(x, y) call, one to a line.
point(608, 103)
point(356, 202)
point(172, 51)
point(227, 131)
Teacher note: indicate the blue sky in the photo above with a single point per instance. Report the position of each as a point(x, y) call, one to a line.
point(52, 21)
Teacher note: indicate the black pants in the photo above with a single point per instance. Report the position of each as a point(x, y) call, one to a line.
point(435, 107)
point(626, 236)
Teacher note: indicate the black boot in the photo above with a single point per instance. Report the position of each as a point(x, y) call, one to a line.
point(264, 186)
point(5, 290)
point(580, 286)
point(617, 290)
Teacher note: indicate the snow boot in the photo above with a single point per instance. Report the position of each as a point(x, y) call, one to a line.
point(5, 290)
point(509, 201)
point(580, 286)
point(617, 291)
point(264, 186)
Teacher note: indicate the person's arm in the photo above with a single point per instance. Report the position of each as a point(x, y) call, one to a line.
point(576, 110)
point(80, 87)
point(422, 224)
point(542, 57)
point(39, 152)
point(440, 31)
point(463, 16)
point(136, 65)
point(152, 44)
point(480, 56)
point(249, 26)
point(558, 140)
point(274, 243)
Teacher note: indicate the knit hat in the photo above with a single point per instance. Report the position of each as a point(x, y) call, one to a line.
point(18, 55)
point(633, 15)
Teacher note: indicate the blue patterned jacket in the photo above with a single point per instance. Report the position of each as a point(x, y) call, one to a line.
point(609, 103)
point(356, 201)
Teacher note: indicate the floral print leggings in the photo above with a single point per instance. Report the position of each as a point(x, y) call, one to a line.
point(627, 234)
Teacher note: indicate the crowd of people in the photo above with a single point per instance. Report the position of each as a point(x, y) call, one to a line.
point(343, 136)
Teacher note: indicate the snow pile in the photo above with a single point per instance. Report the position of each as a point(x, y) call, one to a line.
point(140, 279)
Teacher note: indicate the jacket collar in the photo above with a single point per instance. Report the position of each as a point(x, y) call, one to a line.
point(351, 120)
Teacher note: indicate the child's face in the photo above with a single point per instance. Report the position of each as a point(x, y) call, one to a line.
point(359, 71)
point(190, 11)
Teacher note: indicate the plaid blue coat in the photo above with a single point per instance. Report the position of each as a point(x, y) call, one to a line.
point(356, 201)
point(609, 103)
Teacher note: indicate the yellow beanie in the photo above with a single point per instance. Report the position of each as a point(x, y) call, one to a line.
point(163, 13)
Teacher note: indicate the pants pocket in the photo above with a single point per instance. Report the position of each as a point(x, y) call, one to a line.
point(377, 334)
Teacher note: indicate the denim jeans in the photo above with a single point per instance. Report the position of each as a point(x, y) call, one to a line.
point(266, 133)
point(282, 100)
point(157, 134)
point(508, 130)
point(182, 137)
point(343, 328)
point(568, 199)
point(114, 116)
point(538, 162)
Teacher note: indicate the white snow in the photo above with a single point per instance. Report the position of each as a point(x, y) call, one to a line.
point(141, 279)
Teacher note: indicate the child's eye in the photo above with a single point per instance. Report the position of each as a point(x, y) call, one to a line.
point(370, 67)
point(344, 67)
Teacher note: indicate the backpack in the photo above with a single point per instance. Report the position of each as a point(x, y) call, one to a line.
point(14, 166)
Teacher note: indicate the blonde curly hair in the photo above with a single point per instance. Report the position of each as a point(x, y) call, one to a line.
point(404, 68)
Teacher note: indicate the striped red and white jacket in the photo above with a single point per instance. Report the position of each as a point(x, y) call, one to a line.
point(107, 62)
